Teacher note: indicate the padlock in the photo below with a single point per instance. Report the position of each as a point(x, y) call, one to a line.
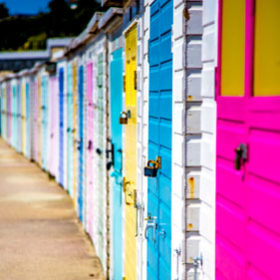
point(150, 171)
point(152, 167)
point(123, 118)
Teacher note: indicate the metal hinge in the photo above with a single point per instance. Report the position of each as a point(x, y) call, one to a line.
point(135, 80)
point(124, 83)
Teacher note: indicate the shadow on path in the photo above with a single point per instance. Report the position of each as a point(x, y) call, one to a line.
point(40, 236)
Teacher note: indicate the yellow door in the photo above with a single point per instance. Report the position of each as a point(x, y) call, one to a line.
point(23, 110)
point(39, 122)
point(130, 149)
point(75, 135)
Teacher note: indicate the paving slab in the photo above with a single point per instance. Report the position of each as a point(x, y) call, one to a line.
point(41, 237)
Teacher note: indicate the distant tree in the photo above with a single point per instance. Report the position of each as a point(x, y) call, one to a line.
point(36, 42)
point(31, 32)
point(4, 12)
point(58, 7)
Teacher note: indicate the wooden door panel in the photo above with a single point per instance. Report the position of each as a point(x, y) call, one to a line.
point(232, 265)
point(260, 243)
point(130, 151)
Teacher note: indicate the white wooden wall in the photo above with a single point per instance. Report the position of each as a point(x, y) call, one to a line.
point(178, 141)
point(208, 128)
point(98, 47)
point(143, 35)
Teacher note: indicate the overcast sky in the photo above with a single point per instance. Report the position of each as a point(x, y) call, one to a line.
point(26, 6)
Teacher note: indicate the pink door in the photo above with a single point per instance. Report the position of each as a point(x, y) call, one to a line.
point(248, 141)
point(89, 151)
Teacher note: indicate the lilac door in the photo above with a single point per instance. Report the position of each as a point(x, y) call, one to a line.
point(53, 159)
point(248, 141)
point(89, 152)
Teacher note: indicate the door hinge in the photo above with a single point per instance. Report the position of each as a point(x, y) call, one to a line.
point(135, 80)
point(124, 83)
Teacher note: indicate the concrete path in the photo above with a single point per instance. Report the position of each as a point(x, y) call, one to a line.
point(40, 236)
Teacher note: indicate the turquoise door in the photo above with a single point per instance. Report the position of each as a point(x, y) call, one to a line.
point(158, 231)
point(81, 141)
point(116, 142)
point(70, 130)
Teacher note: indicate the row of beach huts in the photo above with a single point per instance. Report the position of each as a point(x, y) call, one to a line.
point(162, 121)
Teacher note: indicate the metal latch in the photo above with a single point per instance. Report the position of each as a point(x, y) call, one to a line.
point(240, 156)
point(198, 261)
point(151, 223)
point(130, 194)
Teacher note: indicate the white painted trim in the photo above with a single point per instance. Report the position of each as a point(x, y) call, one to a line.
point(178, 147)
point(143, 33)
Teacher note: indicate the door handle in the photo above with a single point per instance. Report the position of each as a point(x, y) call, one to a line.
point(151, 223)
point(240, 156)
point(111, 152)
point(89, 145)
point(98, 151)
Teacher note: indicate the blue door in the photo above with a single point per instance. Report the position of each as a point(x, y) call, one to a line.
point(160, 141)
point(116, 141)
point(61, 125)
point(27, 120)
point(81, 141)
point(70, 130)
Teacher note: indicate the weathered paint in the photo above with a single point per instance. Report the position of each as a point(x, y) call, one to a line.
point(130, 150)
point(116, 86)
point(90, 150)
point(70, 129)
point(100, 149)
point(160, 140)
point(247, 225)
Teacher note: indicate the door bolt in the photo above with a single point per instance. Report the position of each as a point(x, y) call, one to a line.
point(197, 262)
